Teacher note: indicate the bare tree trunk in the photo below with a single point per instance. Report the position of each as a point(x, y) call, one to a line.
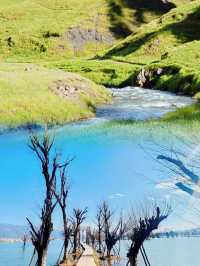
point(78, 217)
point(142, 228)
point(133, 262)
point(40, 235)
point(66, 240)
point(134, 254)
point(65, 250)
point(108, 253)
point(61, 197)
point(112, 234)
point(42, 258)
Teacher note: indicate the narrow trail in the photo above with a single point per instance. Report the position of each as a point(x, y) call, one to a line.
point(87, 258)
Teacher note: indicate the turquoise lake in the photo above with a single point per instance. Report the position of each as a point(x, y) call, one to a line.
point(114, 161)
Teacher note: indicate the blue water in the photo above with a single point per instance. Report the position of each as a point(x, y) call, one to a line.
point(169, 252)
point(161, 252)
point(113, 162)
point(15, 255)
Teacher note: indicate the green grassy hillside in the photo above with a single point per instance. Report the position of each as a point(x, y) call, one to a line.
point(167, 49)
point(152, 41)
point(53, 29)
point(170, 43)
point(38, 37)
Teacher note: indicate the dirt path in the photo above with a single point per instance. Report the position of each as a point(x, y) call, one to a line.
point(87, 259)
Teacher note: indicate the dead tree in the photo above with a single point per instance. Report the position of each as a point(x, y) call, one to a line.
point(24, 239)
point(90, 236)
point(61, 197)
point(76, 220)
point(141, 229)
point(100, 225)
point(112, 233)
point(40, 235)
point(87, 235)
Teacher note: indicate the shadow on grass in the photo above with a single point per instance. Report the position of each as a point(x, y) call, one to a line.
point(186, 30)
point(129, 47)
point(118, 19)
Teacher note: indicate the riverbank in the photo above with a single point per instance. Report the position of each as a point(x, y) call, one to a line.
point(162, 54)
point(33, 95)
point(130, 105)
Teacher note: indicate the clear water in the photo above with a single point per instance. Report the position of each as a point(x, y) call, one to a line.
point(168, 252)
point(139, 104)
point(113, 162)
point(161, 252)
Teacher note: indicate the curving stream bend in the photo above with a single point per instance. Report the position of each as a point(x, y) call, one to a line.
point(134, 103)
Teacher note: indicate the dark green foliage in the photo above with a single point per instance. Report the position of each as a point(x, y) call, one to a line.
point(49, 34)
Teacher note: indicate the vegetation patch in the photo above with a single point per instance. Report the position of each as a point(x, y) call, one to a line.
point(49, 20)
point(165, 51)
point(185, 114)
point(30, 94)
point(104, 72)
point(163, 44)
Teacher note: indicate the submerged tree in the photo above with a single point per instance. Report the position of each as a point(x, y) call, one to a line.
point(76, 220)
point(113, 232)
point(61, 197)
point(40, 235)
point(100, 226)
point(24, 240)
point(90, 236)
point(141, 228)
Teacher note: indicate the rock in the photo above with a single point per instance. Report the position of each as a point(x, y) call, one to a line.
point(27, 69)
point(159, 71)
point(143, 78)
point(79, 37)
point(67, 90)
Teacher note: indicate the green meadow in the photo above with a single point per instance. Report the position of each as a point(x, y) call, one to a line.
point(28, 96)
point(105, 43)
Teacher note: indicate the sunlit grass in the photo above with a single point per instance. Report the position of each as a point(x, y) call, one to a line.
point(185, 114)
point(105, 72)
point(27, 96)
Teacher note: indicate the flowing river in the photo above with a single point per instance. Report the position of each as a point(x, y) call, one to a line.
point(114, 161)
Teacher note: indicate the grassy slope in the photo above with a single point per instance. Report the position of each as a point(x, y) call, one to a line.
point(170, 43)
point(28, 22)
point(103, 72)
point(151, 41)
point(37, 29)
point(27, 96)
